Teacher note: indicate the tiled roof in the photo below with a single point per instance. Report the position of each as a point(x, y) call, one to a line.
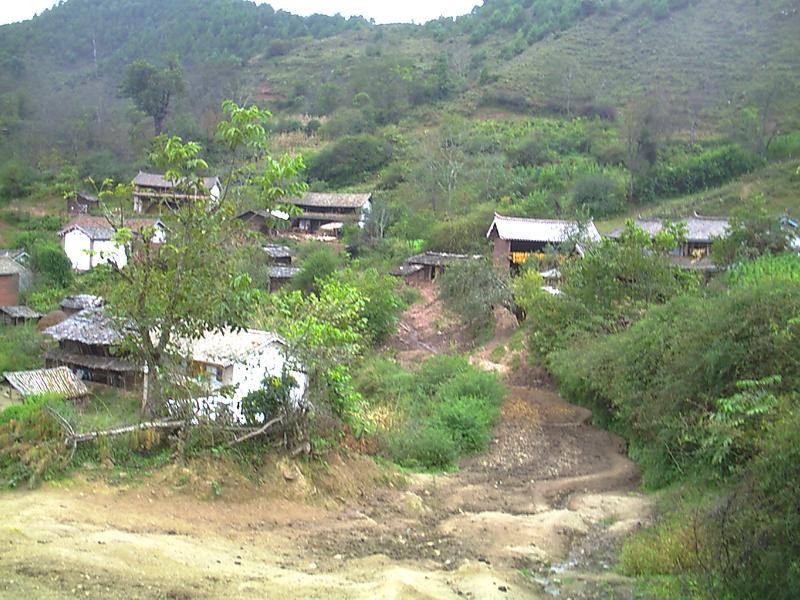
point(9, 266)
point(281, 272)
point(228, 347)
point(60, 381)
point(438, 258)
point(20, 312)
point(156, 180)
point(91, 327)
point(550, 231)
point(81, 302)
point(699, 229)
point(316, 200)
point(277, 251)
point(99, 229)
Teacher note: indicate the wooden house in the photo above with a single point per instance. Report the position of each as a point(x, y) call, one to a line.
point(700, 235)
point(11, 277)
point(152, 192)
point(278, 255)
point(427, 267)
point(330, 212)
point(88, 344)
point(18, 315)
point(81, 203)
point(516, 239)
point(264, 222)
point(89, 241)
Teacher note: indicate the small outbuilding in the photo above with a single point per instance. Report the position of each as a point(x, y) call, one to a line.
point(18, 315)
point(81, 203)
point(280, 275)
point(331, 211)
point(153, 191)
point(11, 276)
point(59, 381)
point(700, 235)
point(428, 266)
point(72, 305)
point(279, 255)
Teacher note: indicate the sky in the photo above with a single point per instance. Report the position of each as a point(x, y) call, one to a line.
point(406, 11)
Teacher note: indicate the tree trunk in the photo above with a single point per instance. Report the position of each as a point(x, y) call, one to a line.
point(158, 125)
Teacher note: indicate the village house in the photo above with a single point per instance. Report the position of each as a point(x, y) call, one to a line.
point(700, 234)
point(60, 380)
point(11, 276)
point(152, 191)
point(280, 275)
point(239, 360)
point(424, 268)
point(516, 239)
point(88, 344)
point(263, 222)
point(18, 315)
point(89, 241)
point(329, 213)
point(81, 203)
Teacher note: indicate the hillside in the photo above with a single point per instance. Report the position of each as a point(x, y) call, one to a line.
point(538, 104)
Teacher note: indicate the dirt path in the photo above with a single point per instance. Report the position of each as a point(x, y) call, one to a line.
point(542, 513)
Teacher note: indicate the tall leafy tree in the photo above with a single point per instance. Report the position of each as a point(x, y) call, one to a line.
point(151, 89)
point(178, 290)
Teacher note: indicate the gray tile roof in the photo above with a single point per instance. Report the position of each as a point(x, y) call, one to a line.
point(699, 229)
point(280, 272)
point(20, 312)
point(9, 266)
point(277, 251)
point(81, 302)
point(156, 180)
point(438, 258)
point(91, 327)
point(99, 229)
point(316, 200)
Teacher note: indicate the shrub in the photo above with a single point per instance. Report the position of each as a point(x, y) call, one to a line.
point(468, 420)
point(600, 195)
point(427, 447)
point(316, 266)
point(350, 160)
point(382, 302)
point(51, 262)
point(21, 348)
point(472, 289)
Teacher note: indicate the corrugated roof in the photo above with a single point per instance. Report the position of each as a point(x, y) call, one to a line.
point(549, 231)
point(20, 312)
point(99, 229)
point(437, 259)
point(228, 347)
point(91, 326)
point(699, 229)
point(282, 272)
point(9, 266)
point(157, 180)
point(81, 302)
point(277, 251)
point(60, 381)
point(316, 200)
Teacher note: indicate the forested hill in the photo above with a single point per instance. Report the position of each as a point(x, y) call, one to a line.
point(78, 32)
point(533, 98)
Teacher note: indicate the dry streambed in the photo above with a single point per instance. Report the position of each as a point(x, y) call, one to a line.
point(541, 514)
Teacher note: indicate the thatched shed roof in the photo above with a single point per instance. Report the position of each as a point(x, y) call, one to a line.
point(60, 381)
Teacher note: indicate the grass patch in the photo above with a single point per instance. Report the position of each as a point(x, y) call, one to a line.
point(441, 412)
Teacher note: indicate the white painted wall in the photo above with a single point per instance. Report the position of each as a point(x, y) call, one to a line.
point(85, 254)
point(247, 375)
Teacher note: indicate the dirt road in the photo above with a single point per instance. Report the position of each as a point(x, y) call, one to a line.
point(540, 514)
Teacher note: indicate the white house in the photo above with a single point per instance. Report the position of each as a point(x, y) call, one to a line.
point(89, 241)
point(241, 360)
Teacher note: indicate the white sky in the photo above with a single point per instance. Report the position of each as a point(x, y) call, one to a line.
point(383, 11)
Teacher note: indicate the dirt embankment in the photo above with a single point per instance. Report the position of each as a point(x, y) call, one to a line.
point(542, 513)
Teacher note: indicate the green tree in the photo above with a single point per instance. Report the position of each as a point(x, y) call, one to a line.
point(473, 288)
point(151, 89)
point(753, 232)
point(178, 290)
point(49, 261)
